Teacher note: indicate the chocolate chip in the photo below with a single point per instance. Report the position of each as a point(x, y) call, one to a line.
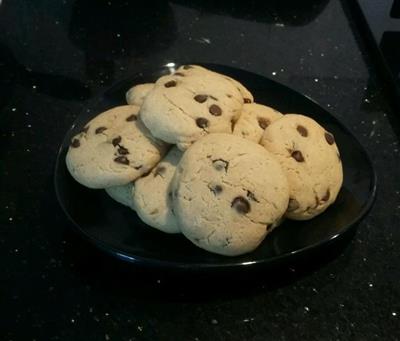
point(233, 122)
point(293, 205)
point(122, 159)
point(179, 74)
point(85, 129)
point(263, 122)
point(116, 140)
point(215, 189)
point(138, 167)
point(302, 131)
point(170, 84)
point(215, 110)
point(246, 100)
point(123, 151)
point(145, 174)
point(75, 143)
point(329, 138)
point(251, 196)
point(202, 122)
point(200, 98)
point(326, 196)
point(160, 170)
point(131, 118)
point(220, 165)
point(99, 130)
point(241, 205)
point(298, 156)
point(214, 98)
point(187, 67)
point(218, 189)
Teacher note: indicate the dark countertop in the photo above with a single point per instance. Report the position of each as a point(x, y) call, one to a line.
point(55, 55)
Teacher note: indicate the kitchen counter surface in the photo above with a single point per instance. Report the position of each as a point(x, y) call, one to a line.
point(56, 55)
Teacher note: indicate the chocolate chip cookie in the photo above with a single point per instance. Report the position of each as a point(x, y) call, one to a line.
point(228, 192)
point(184, 106)
point(152, 197)
point(113, 149)
point(310, 158)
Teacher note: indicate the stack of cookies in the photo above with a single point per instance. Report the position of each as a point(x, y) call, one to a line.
point(193, 154)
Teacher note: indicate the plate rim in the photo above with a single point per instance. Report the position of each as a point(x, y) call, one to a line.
point(156, 263)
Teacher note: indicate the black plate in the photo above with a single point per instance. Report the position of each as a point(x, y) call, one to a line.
point(119, 231)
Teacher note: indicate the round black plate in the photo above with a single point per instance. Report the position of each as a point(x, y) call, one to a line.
point(119, 231)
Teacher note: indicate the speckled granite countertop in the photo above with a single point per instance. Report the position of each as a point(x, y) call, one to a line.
point(55, 55)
